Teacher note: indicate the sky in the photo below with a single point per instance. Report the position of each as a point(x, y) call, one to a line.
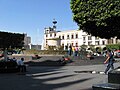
point(32, 16)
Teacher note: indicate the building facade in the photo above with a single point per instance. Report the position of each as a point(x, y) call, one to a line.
point(29, 45)
point(27, 40)
point(73, 38)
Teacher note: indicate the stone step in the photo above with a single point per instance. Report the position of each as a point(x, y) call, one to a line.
point(106, 86)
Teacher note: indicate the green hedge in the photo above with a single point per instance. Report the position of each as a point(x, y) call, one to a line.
point(113, 46)
point(42, 52)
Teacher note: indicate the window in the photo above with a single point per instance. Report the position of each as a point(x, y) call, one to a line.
point(72, 44)
point(89, 38)
point(62, 37)
point(89, 43)
point(46, 35)
point(50, 35)
point(76, 44)
point(103, 42)
point(84, 43)
point(110, 41)
point(97, 43)
point(116, 41)
point(54, 34)
point(63, 44)
point(72, 36)
point(84, 38)
point(68, 37)
point(46, 43)
point(76, 36)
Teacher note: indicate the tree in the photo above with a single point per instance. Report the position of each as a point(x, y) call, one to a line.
point(97, 17)
point(10, 40)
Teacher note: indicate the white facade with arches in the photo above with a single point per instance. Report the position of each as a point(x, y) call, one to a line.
point(72, 37)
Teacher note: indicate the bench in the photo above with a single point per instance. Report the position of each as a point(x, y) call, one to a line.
point(8, 66)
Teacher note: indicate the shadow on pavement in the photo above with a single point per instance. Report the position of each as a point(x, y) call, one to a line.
point(45, 77)
point(55, 61)
point(40, 78)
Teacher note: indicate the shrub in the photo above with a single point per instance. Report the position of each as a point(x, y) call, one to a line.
point(113, 46)
point(49, 52)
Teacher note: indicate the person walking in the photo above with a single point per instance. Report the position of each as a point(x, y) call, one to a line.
point(76, 51)
point(73, 50)
point(109, 61)
point(70, 50)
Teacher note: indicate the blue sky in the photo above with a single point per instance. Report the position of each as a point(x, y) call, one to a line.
point(32, 16)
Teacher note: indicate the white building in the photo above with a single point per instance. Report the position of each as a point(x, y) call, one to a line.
point(71, 37)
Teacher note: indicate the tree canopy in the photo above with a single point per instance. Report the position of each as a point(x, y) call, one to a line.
point(97, 17)
point(13, 40)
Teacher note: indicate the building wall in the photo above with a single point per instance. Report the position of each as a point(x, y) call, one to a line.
point(54, 42)
point(36, 47)
point(27, 40)
point(76, 38)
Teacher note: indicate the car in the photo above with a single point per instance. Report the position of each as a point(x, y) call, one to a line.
point(117, 54)
point(1, 55)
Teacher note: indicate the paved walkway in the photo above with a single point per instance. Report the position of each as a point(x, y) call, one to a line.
point(54, 78)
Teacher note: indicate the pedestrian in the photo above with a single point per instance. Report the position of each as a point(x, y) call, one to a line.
point(21, 65)
point(73, 50)
point(14, 59)
point(70, 50)
point(76, 51)
point(109, 61)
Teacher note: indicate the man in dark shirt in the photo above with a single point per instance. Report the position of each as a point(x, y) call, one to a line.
point(109, 61)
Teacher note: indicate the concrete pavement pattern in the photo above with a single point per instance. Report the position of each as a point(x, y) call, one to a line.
point(54, 78)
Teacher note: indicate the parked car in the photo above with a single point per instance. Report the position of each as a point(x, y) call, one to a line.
point(117, 54)
point(1, 55)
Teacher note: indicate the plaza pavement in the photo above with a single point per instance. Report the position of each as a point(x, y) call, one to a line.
point(54, 78)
